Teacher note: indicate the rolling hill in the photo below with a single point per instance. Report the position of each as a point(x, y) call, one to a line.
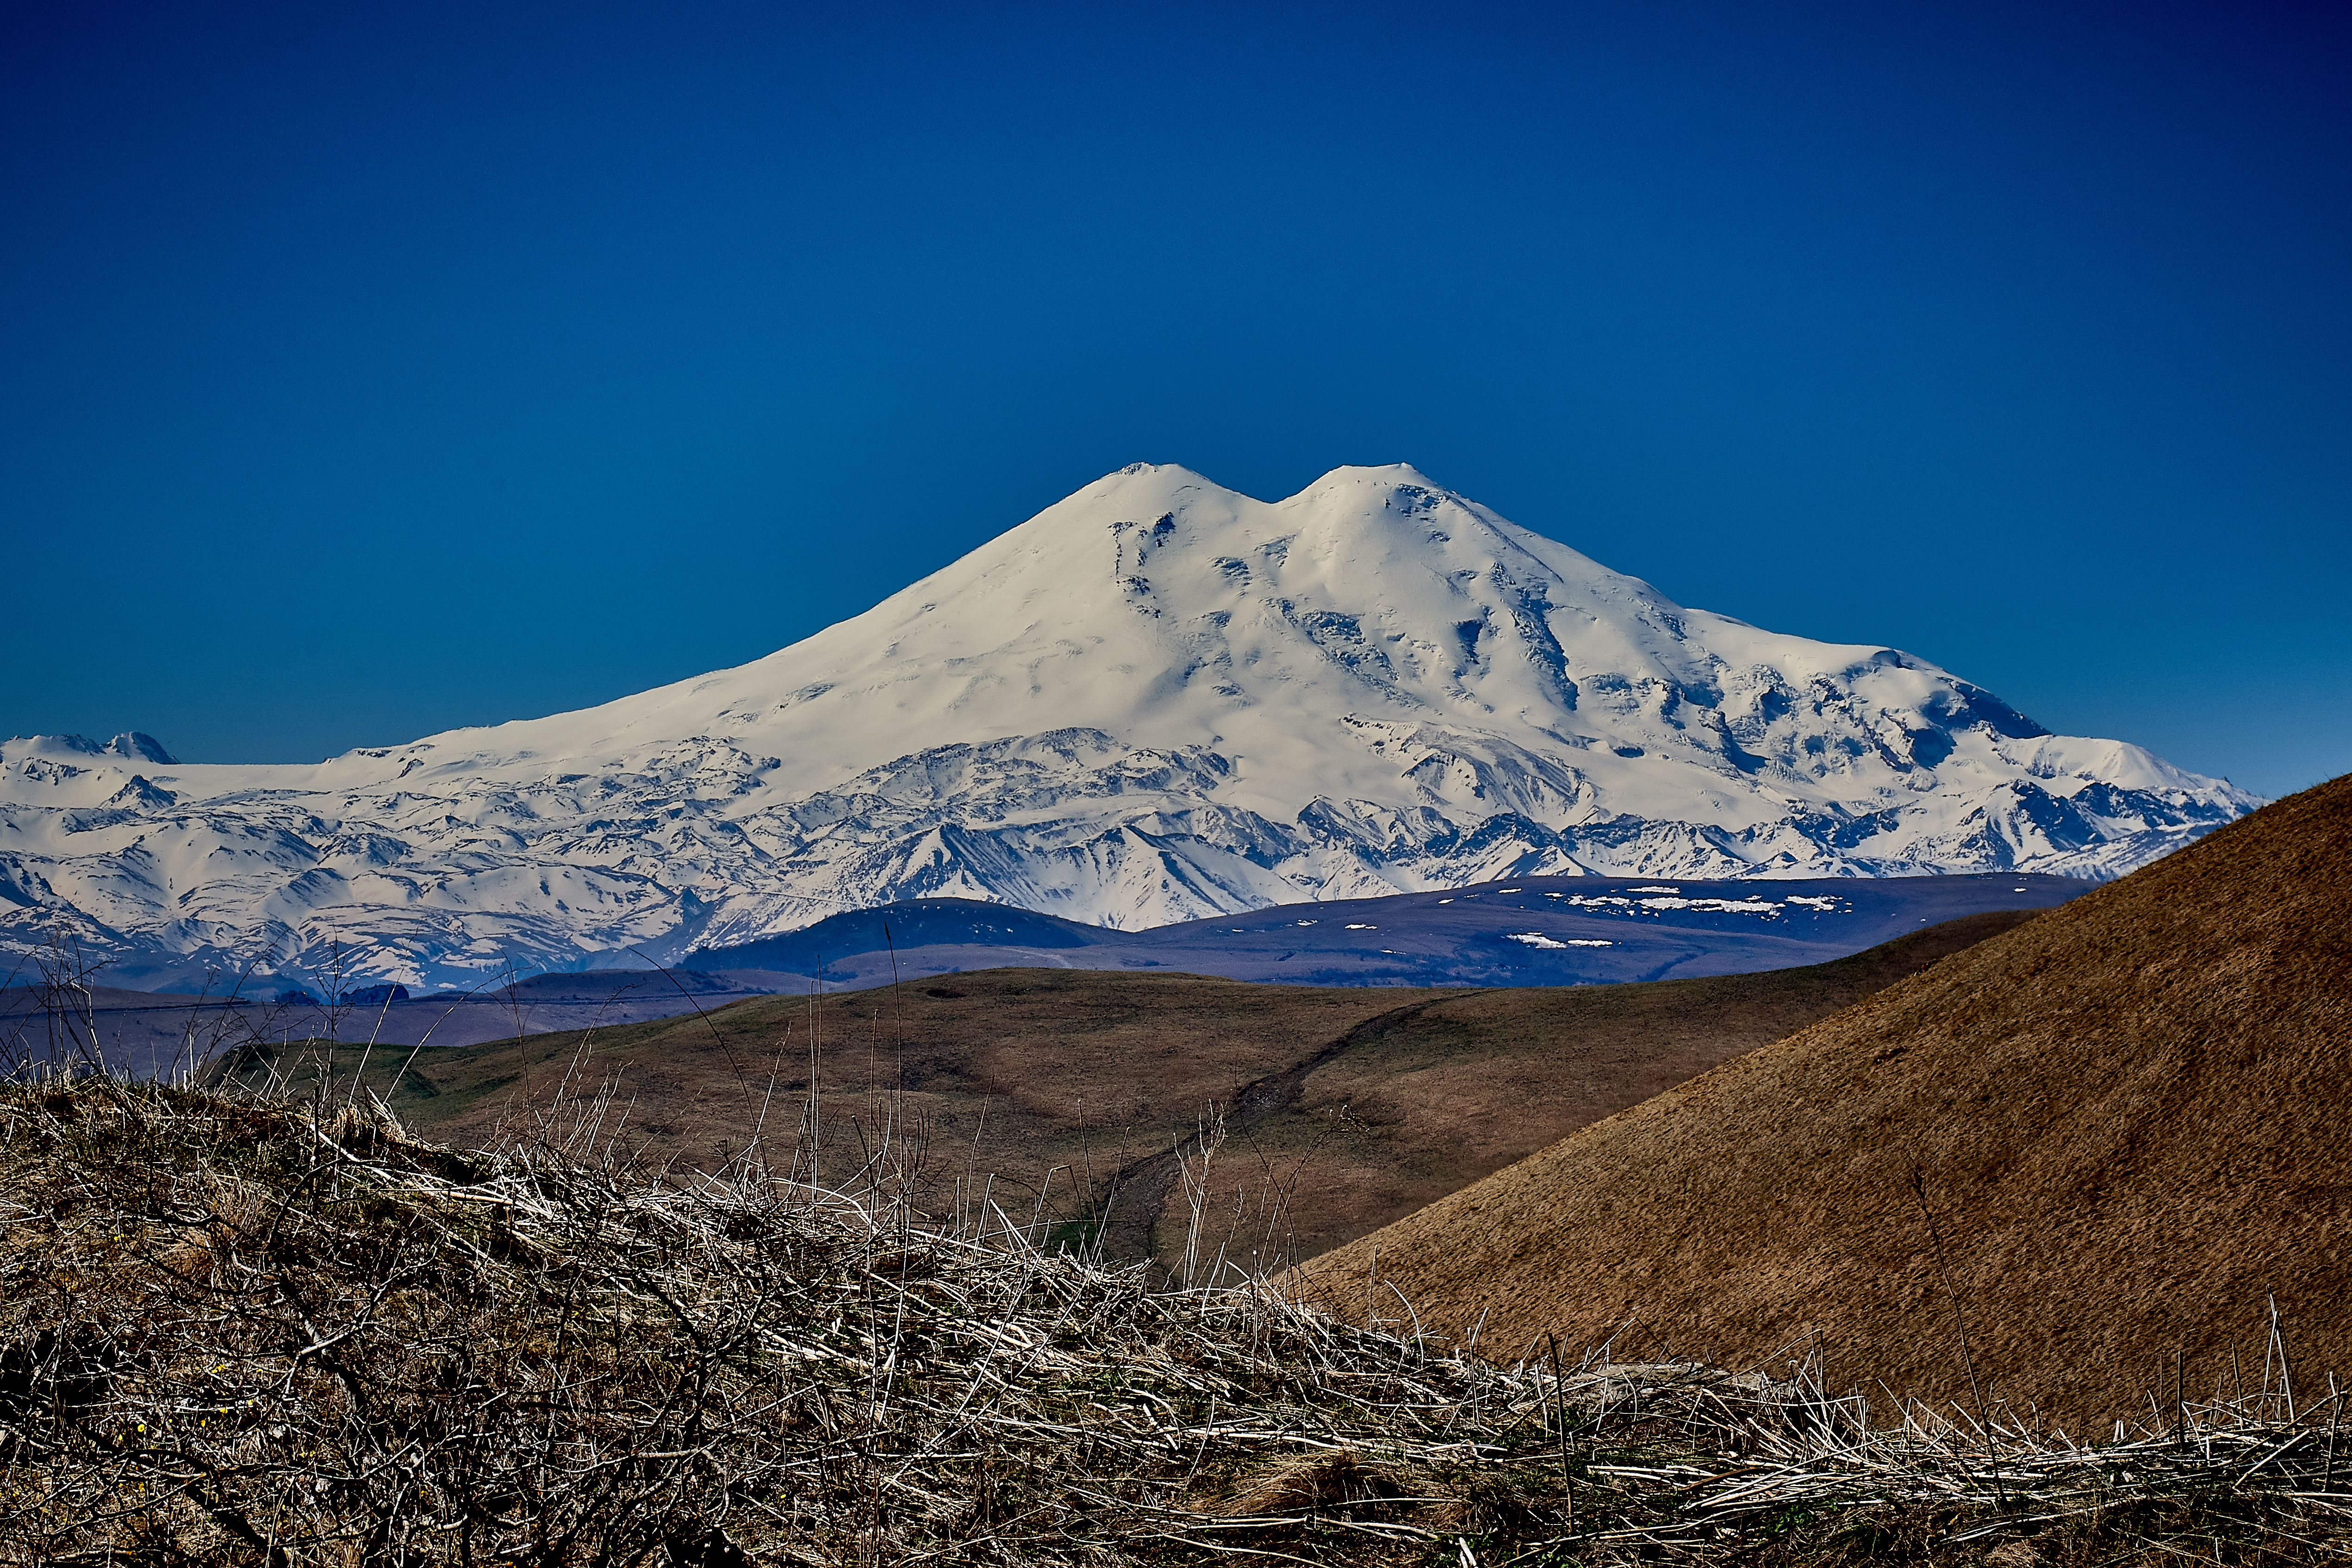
point(2099, 1148)
point(1084, 1095)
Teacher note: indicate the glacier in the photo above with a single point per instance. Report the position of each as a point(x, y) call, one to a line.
point(1157, 700)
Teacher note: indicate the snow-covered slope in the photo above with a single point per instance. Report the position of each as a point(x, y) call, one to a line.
point(1155, 700)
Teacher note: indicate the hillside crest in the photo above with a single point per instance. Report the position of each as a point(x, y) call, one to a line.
point(2108, 1141)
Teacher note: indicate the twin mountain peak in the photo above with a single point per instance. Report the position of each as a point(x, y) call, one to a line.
point(1157, 700)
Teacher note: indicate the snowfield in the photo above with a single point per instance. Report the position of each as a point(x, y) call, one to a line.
point(1157, 700)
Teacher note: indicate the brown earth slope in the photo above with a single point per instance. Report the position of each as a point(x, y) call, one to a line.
point(2127, 1119)
point(1073, 1095)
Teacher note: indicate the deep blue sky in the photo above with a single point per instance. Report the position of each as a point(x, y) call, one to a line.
point(375, 368)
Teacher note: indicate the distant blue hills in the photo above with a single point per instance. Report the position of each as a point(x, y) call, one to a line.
point(1529, 931)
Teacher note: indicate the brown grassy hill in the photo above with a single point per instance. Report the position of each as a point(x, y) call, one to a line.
point(2125, 1122)
point(1080, 1097)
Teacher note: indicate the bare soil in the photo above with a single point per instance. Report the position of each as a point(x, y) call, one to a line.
point(2069, 1169)
point(1298, 1117)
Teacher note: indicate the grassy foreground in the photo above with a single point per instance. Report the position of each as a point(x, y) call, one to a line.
point(252, 1329)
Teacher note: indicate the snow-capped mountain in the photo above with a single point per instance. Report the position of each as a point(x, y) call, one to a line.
point(1155, 700)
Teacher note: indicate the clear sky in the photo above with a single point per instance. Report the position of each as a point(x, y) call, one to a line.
point(374, 368)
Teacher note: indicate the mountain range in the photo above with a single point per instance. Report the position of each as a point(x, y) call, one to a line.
point(1158, 700)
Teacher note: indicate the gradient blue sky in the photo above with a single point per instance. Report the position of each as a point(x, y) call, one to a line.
point(372, 369)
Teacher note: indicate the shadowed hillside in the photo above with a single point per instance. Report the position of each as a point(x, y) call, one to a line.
point(1083, 1097)
point(2100, 1143)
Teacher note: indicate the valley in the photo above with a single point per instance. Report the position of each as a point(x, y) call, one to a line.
point(1105, 1103)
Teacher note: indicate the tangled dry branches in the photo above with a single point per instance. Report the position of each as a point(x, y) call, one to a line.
point(239, 1330)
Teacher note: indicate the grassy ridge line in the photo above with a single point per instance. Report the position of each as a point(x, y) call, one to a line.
point(238, 1330)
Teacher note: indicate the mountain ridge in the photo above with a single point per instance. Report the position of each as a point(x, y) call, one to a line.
point(1155, 700)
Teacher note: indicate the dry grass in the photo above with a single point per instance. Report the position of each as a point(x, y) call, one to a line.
point(1344, 1107)
point(2050, 1170)
point(245, 1330)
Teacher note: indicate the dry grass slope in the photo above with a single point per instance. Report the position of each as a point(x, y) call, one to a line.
point(1071, 1096)
point(2097, 1148)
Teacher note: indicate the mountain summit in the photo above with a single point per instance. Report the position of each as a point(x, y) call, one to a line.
point(1157, 700)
